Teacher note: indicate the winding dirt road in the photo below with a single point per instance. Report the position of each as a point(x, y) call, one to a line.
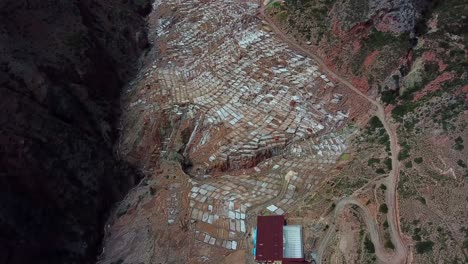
point(401, 252)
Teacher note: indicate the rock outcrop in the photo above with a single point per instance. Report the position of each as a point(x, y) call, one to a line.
point(63, 64)
point(367, 40)
point(376, 43)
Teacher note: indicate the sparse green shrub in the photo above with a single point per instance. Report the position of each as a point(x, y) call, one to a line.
point(373, 161)
point(421, 199)
point(388, 163)
point(370, 248)
point(383, 208)
point(122, 210)
point(418, 160)
point(389, 96)
point(385, 224)
point(380, 171)
point(424, 246)
point(374, 123)
point(401, 110)
point(405, 152)
point(383, 187)
point(152, 191)
point(389, 244)
point(408, 164)
point(276, 5)
point(458, 144)
point(378, 39)
point(385, 140)
point(461, 163)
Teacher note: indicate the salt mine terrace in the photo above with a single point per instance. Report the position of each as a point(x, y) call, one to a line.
point(266, 124)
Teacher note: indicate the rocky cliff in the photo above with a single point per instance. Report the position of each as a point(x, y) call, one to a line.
point(63, 64)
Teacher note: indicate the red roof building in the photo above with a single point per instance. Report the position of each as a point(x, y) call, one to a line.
point(269, 238)
point(277, 243)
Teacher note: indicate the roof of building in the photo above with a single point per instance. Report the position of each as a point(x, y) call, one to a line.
point(292, 248)
point(269, 238)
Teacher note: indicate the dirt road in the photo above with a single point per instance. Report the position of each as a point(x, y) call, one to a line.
point(401, 250)
point(369, 221)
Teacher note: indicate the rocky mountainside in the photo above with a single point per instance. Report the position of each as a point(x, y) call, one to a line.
point(63, 64)
point(412, 55)
point(376, 42)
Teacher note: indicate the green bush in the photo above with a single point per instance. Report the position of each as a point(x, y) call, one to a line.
point(385, 224)
point(401, 110)
point(388, 163)
point(389, 96)
point(276, 4)
point(461, 163)
point(458, 144)
point(421, 199)
point(383, 208)
point(373, 161)
point(404, 153)
point(380, 171)
point(369, 245)
point(374, 123)
point(409, 164)
point(418, 160)
point(424, 246)
point(122, 211)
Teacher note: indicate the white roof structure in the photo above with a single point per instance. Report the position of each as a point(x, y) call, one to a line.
point(272, 208)
point(292, 241)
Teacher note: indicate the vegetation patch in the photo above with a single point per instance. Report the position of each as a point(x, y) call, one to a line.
point(344, 157)
point(461, 163)
point(389, 244)
point(424, 246)
point(458, 144)
point(380, 171)
point(383, 208)
point(370, 248)
point(373, 161)
point(388, 163)
point(404, 152)
point(409, 164)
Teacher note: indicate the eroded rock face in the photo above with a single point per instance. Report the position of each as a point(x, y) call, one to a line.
point(396, 16)
point(369, 41)
point(62, 66)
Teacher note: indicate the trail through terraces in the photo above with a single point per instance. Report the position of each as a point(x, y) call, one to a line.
point(267, 126)
point(401, 250)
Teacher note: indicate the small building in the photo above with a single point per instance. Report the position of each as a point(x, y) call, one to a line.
point(278, 243)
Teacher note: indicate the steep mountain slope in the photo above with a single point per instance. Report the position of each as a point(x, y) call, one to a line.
point(62, 67)
point(411, 55)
